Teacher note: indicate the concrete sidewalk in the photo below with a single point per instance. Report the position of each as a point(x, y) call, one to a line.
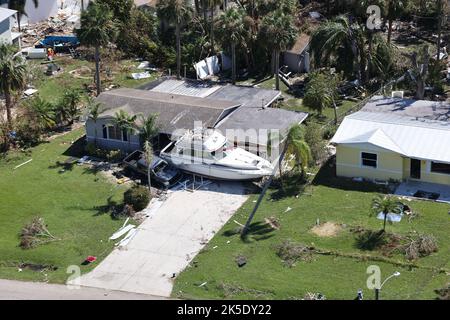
point(168, 240)
point(20, 290)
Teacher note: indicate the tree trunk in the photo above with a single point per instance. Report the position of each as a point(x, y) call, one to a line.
point(197, 7)
point(389, 30)
point(8, 105)
point(420, 93)
point(384, 221)
point(277, 69)
point(225, 5)
point(97, 70)
point(205, 11)
point(178, 50)
point(439, 30)
point(335, 112)
point(82, 5)
point(212, 29)
point(18, 21)
point(233, 63)
point(149, 180)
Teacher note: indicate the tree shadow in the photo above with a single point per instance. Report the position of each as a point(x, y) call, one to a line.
point(291, 185)
point(257, 231)
point(327, 177)
point(371, 240)
point(111, 207)
point(77, 149)
point(67, 165)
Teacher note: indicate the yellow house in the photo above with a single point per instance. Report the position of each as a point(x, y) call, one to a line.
point(385, 141)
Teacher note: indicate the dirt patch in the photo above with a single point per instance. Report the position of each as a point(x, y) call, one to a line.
point(327, 229)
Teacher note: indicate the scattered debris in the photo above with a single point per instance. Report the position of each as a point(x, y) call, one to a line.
point(291, 252)
point(203, 284)
point(30, 92)
point(22, 164)
point(287, 209)
point(141, 75)
point(35, 233)
point(89, 260)
point(241, 260)
point(273, 222)
point(130, 235)
point(122, 231)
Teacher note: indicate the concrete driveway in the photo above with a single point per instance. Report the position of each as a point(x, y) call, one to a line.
point(168, 240)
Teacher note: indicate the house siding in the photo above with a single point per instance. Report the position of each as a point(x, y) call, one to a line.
point(5, 31)
point(348, 163)
point(127, 146)
point(390, 166)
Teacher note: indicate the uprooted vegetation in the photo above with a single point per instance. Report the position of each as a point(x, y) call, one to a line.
point(291, 252)
point(420, 246)
point(35, 233)
point(413, 246)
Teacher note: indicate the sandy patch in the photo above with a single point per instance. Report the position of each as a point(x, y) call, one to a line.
point(327, 229)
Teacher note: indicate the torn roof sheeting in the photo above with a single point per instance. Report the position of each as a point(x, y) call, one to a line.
point(174, 111)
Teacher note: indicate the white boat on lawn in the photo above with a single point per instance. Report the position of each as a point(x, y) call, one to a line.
point(207, 153)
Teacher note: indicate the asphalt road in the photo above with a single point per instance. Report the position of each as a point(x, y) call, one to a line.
point(19, 290)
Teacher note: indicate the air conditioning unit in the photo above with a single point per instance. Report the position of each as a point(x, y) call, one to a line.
point(398, 94)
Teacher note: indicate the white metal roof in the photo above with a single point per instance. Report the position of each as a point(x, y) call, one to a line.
point(6, 13)
point(421, 139)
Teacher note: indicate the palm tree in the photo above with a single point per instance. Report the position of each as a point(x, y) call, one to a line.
point(148, 153)
point(148, 127)
point(19, 6)
point(71, 99)
point(385, 205)
point(126, 123)
point(176, 11)
point(297, 147)
point(394, 9)
point(97, 29)
point(280, 33)
point(213, 5)
point(321, 92)
point(13, 77)
point(230, 28)
point(343, 40)
point(43, 111)
point(94, 111)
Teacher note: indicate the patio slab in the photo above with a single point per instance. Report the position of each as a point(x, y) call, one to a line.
point(409, 188)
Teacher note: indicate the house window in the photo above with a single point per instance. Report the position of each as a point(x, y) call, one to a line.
point(114, 133)
point(105, 132)
point(124, 135)
point(369, 159)
point(438, 167)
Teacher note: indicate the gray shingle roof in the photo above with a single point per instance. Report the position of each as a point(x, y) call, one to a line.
point(174, 111)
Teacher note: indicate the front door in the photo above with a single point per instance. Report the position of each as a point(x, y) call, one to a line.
point(415, 168)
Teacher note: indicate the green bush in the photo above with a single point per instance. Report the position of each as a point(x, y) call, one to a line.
point(138, 197)
point(314, 139)
point(110, 155)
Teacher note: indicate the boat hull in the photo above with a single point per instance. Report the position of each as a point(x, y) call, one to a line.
point(218, 172)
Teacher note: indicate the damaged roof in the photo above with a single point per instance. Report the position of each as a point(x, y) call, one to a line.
point(174, 111)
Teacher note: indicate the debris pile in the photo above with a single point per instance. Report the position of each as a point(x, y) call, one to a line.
point(62, 24)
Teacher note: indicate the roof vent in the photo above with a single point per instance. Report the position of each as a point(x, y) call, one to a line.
point(398, 94)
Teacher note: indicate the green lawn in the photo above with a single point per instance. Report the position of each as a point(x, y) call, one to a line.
point(70, 201)
point(338, 276)
point(52, 88)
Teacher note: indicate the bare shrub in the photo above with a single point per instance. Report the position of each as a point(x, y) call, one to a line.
point(421, 246)
point(35, 233)
point(291, 252)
